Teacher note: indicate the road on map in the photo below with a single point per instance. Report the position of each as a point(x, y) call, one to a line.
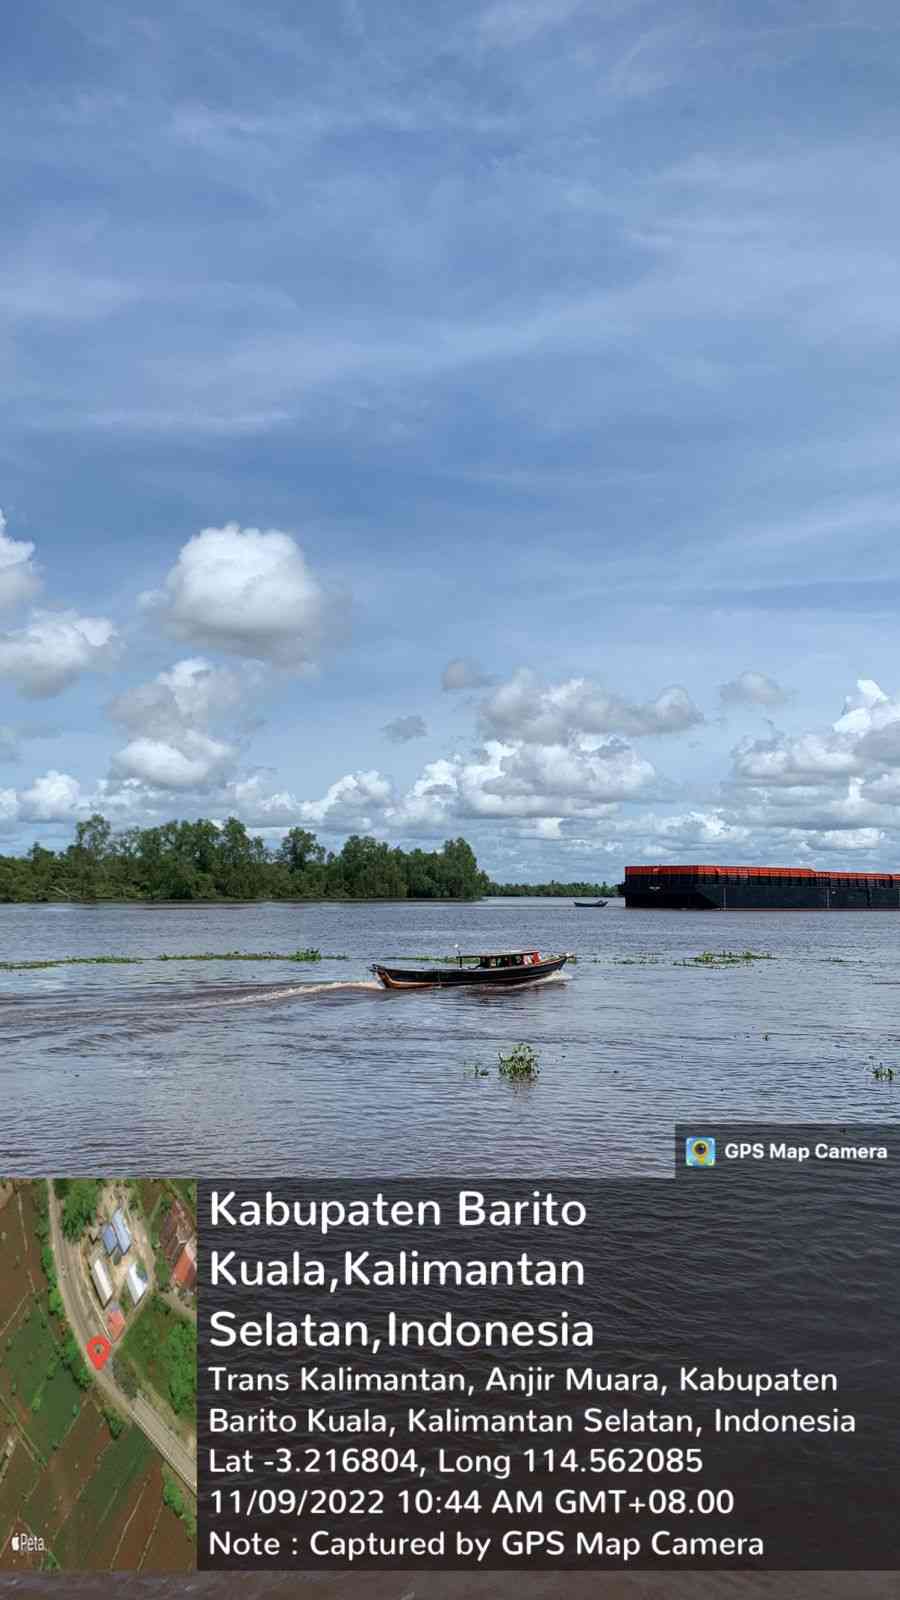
point(86, 1323)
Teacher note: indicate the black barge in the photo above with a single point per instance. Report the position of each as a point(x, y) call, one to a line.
point(705, 888)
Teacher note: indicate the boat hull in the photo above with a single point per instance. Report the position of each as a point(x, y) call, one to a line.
point(466, 977)
point(758, 889)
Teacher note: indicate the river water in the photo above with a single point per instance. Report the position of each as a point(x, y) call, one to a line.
point(271, 1067)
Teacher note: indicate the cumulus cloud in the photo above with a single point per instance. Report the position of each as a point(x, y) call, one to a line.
point(19, 581)
point(841, 839)
point(194, 763)
point(513, 781)
point(869, 707)
point(53, 650)
point(191, 692)
point(797, 759)
point(864, 739)
point(172, 745)
point(752, 689)
point(354, 802)
point(402, 729)
point(462, 673)
point(523, 709)
point(872, 718)
point(246, 593)
point(56, 797)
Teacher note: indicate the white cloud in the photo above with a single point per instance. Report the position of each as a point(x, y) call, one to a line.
point(169, 717)
point(512, 780)
point(863, 739)
point(56, 797)
point(402, 729)
point(351, 803)
point(462, 673)
point(195, 762)
point(189, 693)
point(869, 707)
point(873, 719)
point(244, 592)
point(53, 649)
point(523, 709)
point(800, 759)
point(752, 689)
point(19, 581)
point(841, 839)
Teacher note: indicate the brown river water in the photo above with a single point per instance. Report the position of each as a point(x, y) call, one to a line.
point(276, 1067)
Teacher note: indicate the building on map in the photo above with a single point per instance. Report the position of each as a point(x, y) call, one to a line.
point(115, 1321)
point(136, 1283)
point(177, 1228)
point(101, 1281)
point(184, 1272)
point(121, 1230)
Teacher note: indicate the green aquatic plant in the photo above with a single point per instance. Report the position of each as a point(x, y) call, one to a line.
point(723, 958)
point(883, 1074)
point(521, 1065)
point(72, 961)
point(204, 955)
point(253, 955)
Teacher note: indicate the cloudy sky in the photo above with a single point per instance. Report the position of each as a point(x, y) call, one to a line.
point(471, 419)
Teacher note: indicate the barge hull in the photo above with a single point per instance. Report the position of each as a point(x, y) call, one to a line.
point(706, 888)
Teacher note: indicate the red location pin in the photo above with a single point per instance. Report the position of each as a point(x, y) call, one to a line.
point(98, 1350)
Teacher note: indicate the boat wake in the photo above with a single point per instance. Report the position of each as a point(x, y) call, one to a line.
point(294, 991)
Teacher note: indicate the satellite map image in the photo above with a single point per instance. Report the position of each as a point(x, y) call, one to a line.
point(97, 1375)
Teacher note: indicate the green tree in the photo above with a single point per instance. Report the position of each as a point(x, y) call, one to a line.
point(79, 1206)
point(180, 1359)
point(299, 849)
point(172, 1495)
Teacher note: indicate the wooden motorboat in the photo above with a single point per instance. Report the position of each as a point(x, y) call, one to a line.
point(494, 969)
point(590, 905)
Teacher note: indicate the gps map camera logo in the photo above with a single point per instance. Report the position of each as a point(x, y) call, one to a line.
point(700, 1152)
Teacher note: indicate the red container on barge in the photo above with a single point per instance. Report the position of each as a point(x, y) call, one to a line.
point(704, 888)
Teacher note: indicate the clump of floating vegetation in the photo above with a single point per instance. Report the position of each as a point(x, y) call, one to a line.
point(474, 1069)
point(72, 961)
point(883, 1074)
point(521, 1065)
point(136, 961)
point(254, 955)
point(636, 961)
point(723, 958)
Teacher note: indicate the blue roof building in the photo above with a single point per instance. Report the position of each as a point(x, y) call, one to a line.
point(120, 1226)
point(109, 1239)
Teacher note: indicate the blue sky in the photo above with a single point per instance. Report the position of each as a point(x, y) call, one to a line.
point(433, 420)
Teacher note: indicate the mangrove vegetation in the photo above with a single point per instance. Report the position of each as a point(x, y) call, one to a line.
point(207, 861)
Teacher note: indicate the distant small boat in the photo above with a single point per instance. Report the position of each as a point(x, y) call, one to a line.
point(496, 969)
point(590, 905)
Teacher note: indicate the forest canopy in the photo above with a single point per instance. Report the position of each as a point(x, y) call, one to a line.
point(206, 860)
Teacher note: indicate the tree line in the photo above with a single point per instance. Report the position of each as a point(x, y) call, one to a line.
point(206, 861)
point(563, 890)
